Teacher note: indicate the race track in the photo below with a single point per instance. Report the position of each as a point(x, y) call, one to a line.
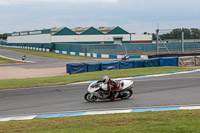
point(37, 61)
point(183, 89)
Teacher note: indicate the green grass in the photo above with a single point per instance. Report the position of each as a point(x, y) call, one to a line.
point(145, 122)
point(52, 54)
point(60, 80)
point(7, 61)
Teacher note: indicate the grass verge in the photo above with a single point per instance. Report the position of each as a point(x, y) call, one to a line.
point(60, 80)
point(7, 61)
point(146, 122)
point(52, 54)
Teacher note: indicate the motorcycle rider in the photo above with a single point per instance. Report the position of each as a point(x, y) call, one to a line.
point(23, 57)
point(112, 85)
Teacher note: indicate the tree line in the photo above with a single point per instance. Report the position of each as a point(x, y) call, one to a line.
point(193, 33)
point(3, 36)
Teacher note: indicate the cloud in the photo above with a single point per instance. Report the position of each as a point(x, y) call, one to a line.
point(11, 2)
point(133, 15)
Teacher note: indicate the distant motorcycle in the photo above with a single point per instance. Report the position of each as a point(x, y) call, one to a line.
point(23, 57)
point(125, 57)
point(95, 91)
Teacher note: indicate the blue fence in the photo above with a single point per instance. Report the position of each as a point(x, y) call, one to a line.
point(113, 65)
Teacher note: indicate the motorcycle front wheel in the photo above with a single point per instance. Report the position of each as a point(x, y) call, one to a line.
point(89, 98)
point(127, 93)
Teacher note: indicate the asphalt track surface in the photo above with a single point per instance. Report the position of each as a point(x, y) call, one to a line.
point(173, 90)
point(162, 91)
point(38, 62)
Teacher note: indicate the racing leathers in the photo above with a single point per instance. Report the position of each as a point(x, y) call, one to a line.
point(112, 89)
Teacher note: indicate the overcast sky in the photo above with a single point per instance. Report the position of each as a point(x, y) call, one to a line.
point(135, 16)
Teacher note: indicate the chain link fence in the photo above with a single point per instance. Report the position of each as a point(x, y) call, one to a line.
point(131, 49)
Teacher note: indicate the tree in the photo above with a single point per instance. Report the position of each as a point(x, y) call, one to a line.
point(176, 34)
point(192, 33)
point(3, 36)
point(153, 36)
point(187, 33)
point(145, 33)
point(195, 33)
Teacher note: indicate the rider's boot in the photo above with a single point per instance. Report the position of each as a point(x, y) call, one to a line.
point(114, 96)
point(105, 92)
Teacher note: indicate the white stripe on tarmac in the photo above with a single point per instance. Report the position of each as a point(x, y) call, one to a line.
point(190, 108)
point(18, 118)
point(107, 112)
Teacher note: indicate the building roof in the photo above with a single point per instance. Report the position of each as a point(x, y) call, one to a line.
point(55, 29)
point(64, 31)
point(92, 31)
point(117, 30)
point(83, 31)
point(80, 30)
point(105, 30)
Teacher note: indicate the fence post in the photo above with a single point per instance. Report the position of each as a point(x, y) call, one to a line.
point(182, 40)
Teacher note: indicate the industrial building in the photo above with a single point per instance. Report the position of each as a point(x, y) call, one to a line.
point(78, 35)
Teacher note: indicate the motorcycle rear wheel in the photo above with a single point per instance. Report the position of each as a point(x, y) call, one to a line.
point(89, 98)
point(127, 94)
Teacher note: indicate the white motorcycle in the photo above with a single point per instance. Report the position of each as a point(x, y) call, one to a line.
point(95, 91)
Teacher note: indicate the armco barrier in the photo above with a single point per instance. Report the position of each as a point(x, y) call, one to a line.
point(152, 62)
point(94, 66)
point(78, 53)
point(112, 65)
point(127, 64)
point(100, 55)
point(25, 47)
point(169, 61)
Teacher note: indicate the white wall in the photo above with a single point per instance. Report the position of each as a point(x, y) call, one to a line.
point(65, 38)
point(141, 37)
point(41, 38)
point(91, 38)
point(47, 38)
point(124, 37)
point(88, 38)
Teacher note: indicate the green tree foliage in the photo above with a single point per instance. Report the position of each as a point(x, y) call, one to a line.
point(195, 33)
point(154, 36)
point(3, 36)
point(192, 33)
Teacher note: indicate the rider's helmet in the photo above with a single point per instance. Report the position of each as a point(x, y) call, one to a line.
point(105, 79)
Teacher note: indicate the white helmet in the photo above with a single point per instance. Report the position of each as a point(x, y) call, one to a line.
point(105, 79)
